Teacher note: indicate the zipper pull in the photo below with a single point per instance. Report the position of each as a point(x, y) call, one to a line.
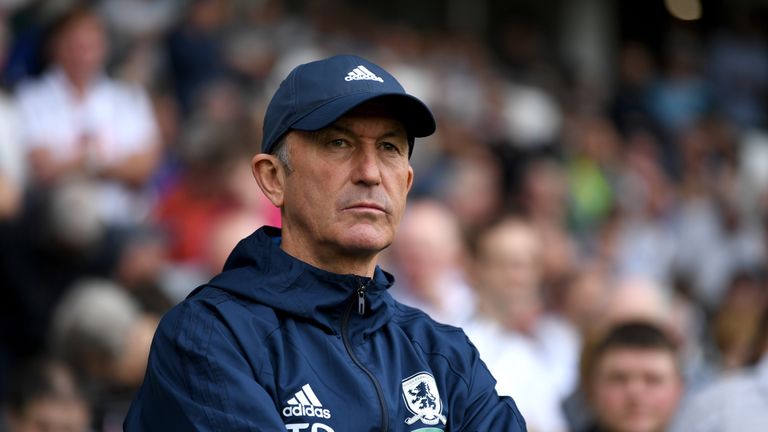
point(361, 300)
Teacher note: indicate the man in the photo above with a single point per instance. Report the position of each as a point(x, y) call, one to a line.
point(511, 328)
point(77, 122)
point(45, 396)
point(633, 379)
point(102, 332)
point(734, 402)
point(299, 333)
point(12, 167)
point(428, 255)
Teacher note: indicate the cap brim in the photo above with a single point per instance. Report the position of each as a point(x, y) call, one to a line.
point(414, 114)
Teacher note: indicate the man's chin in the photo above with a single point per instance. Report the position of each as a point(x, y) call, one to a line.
point(366, 239)
point(640, 425)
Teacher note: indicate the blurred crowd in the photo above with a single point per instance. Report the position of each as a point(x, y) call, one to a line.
point(603, 244)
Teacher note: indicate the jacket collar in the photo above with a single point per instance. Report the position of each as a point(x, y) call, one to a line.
point(260, 271)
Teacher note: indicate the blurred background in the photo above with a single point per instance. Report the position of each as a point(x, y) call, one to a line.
point(595, 162)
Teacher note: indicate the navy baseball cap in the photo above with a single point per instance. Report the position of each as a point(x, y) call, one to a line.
point(316, 94)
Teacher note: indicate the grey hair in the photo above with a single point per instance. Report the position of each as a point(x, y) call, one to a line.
point(280, 151)
point(94, 318)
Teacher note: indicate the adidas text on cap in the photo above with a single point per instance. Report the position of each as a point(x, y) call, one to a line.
point(316, 94)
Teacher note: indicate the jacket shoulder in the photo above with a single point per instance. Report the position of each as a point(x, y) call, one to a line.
point(212, 308)
point(436, 339)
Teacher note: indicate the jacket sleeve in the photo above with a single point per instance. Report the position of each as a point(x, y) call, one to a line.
point(197, 379)
point(484, 409)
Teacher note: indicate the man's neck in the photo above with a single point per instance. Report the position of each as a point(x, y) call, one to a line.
point(357, 264)
point(78, 84)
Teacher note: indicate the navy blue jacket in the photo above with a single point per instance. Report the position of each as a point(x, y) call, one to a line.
point(274, 344)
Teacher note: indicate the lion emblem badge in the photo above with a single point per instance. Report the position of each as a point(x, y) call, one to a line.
point(423, 399)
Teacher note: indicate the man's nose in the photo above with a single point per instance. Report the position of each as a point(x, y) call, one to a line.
point(366, 168)
point(636, 388)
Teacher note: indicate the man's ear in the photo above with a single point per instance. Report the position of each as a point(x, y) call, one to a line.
point(269, 173)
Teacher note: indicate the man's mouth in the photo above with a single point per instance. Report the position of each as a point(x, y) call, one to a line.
point(367, 206)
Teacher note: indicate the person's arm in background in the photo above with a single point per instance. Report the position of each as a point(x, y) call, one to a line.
point(46, 169)
point(133, 170)
point(10, 198)
point(198, 380)
point(141, 135)
point(12, 164)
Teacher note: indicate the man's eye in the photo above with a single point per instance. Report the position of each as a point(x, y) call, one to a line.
point(390, 147)
point(337, 143)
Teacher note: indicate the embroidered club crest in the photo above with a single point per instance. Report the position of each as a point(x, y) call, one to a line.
point(423, 399)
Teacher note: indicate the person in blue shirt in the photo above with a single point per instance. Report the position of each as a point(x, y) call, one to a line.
point(298, 332)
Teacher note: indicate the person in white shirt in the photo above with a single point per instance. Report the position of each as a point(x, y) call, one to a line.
point(78, 122)
point(532, 353)
point(11, 159)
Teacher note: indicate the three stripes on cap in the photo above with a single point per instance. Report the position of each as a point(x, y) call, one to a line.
point(362, 73)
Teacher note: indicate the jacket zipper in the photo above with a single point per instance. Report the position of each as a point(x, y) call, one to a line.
point(345, 338)
point(361, 300)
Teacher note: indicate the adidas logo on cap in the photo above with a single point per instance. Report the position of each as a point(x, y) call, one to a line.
point(305, 403)
point(362, 73)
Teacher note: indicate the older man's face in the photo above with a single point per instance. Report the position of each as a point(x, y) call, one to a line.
point(347, 189)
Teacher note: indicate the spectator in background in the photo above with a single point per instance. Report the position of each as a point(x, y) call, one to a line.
point(634, 298)
point(78, 122)
point(646, 231)
point(44, 396)
point(532, 353)
point(104, 334)
point(633, 379)
point(583, 297)
point(680, 96)
point(735, 322)
point(643, 299)
point(58, 240)
point(737, 401)
point(716, 237)
point(592, 157)
point(11, 153)
point(428, 254)
point(544, 199)
point(136, 30)
point(738, 69)
point(628, 302)
point(466, 175)
point(630, 106)
point(195, 50)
